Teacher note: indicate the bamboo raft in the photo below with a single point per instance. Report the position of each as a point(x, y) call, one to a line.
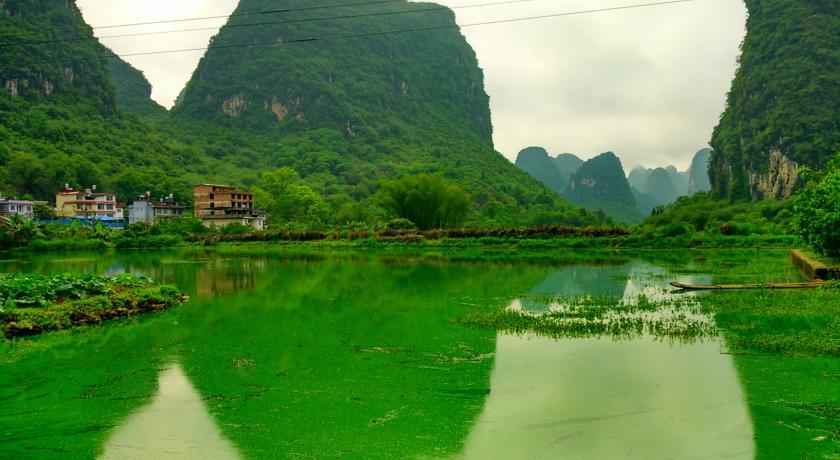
point(714, 287)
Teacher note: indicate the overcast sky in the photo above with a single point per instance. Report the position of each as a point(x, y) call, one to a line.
point(648, 84)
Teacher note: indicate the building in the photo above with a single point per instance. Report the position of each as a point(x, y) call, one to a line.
point(219, 205)
point(87, 204)
point(151, 212)
point(21, 208)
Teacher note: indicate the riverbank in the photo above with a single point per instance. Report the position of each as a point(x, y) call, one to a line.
point(434, 242)
point(34, 304)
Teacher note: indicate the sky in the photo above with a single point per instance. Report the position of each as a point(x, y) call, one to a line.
point(648, 84)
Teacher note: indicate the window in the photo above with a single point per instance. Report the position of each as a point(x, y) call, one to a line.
point(212, 205)
point(212, 196)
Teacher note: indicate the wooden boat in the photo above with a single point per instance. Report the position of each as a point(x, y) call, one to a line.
point(713, 287)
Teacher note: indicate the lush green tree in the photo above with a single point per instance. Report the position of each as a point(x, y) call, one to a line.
point(427, 200)
point(18, 229)
point(286, 198)
point(817, 212)
point(43, 211)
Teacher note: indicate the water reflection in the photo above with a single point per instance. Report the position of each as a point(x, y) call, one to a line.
point(174, 425)
point(365, 358)
point(227, 277)
point(626, 282)
point(591, 398)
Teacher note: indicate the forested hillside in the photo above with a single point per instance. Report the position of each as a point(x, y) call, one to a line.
point(60, 120)
point(345, 113)
point(134, 93)
point(782, 110)
point(600, 184)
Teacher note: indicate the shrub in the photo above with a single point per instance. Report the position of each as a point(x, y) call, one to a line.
point(400, 224)
point(817, 213)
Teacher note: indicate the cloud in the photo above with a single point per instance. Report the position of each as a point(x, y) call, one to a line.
point(648, 84)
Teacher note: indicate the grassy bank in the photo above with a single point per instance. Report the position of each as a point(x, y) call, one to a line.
point(33, 304)
point(536, 238)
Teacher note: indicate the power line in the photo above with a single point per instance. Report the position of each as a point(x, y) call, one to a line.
point(255, 24)
point(170, 21)
point(392, 32)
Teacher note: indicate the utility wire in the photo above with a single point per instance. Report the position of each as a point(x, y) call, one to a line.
point(255, 24)
point(390, 32)
point(170, 21)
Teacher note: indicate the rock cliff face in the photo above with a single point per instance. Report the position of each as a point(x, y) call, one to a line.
point(780, 180)
point(782, 109)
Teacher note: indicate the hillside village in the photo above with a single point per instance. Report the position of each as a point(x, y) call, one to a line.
point(214, 205)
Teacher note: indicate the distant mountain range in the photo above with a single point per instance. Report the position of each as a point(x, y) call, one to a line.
point(601, 183)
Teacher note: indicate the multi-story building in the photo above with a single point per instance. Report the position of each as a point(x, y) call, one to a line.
point(151, 212)
point(21, 208)
point(220, 205)
point(87, 204)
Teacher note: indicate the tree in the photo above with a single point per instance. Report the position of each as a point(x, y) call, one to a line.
point(427, 200)
point(43, 211)
point(18, 229)
point(287, 199)
point(817, 212)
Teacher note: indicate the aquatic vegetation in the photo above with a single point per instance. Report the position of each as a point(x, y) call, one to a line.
point(669, 318)
point(33, 304)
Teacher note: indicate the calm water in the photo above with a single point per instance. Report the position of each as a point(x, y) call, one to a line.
point(363, 357)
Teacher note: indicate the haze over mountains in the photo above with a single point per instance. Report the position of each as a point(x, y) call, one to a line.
point(601, 183)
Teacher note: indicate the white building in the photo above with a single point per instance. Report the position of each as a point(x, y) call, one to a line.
point(21, 208)
point(151, 212)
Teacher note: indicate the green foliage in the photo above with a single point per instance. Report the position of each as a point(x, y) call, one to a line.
point(785, 94)
point(133, 91)
point(817, 212)
point(32, 304)
point(400, 224)
point(427, 200)
point(18, 230)
point(287, 199)
point(42, 291)
point(702, 212)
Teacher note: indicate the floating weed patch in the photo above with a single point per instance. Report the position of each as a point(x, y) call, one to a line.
point(796, 323)
point(581, 317)
point(33, 304)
